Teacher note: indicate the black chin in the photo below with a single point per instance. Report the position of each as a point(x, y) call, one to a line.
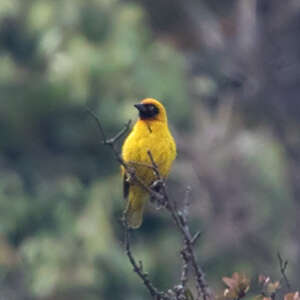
point(146, 111)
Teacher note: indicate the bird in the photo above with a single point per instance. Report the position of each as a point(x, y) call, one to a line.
point(151, 134)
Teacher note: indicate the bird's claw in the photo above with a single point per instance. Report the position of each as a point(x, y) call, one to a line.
point(158, 187)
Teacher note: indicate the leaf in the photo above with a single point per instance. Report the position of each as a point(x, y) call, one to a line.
point(292, 296)
point(263, 279)
point(238, 285)
point(261, 297)
point(272, 287)
point(268, 287)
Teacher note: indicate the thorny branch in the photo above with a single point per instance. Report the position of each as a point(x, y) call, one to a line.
point(158, 193)
point(138, 267)
point(188, 250)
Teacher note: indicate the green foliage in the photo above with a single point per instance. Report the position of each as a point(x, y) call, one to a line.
point(60, 189)
point(59, 205)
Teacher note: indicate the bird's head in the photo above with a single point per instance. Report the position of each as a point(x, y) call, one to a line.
point(151, 110)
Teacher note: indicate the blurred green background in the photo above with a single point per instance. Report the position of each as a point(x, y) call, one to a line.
point(228, 74)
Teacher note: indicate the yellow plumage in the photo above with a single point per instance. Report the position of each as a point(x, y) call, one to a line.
point(150, 133)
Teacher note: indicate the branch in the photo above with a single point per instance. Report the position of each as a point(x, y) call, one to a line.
point(184, 254)
point(283, 266)
point(180, 219)
point(154, 165)
point(112, 141)
point(184, 268)
point(138, 267)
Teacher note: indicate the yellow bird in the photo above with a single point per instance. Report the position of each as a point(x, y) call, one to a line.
point(150, 133)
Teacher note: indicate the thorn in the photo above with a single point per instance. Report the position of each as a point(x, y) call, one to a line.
point(196, 237)
point(141, 265)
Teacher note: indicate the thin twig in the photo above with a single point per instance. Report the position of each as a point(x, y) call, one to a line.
point(283, 264)
point(112, 141)
point(154, 165)
point(138, 266)
point(196, 237)
point(184, 268)
point(180, 221)
point(185, 256)
point(186, 203)
point(202, 287)
point(93, 115)
point(137, 163)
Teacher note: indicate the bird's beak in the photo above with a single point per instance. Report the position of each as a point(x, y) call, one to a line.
point(140, 107)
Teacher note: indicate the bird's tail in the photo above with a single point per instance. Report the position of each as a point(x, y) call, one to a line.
point(135, 209)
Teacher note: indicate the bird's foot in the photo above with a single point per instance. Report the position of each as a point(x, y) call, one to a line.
point(158, 187)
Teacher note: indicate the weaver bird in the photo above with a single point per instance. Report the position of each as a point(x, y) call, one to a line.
point(150, 133)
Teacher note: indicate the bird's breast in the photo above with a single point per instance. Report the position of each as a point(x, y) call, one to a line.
point(155, 138)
